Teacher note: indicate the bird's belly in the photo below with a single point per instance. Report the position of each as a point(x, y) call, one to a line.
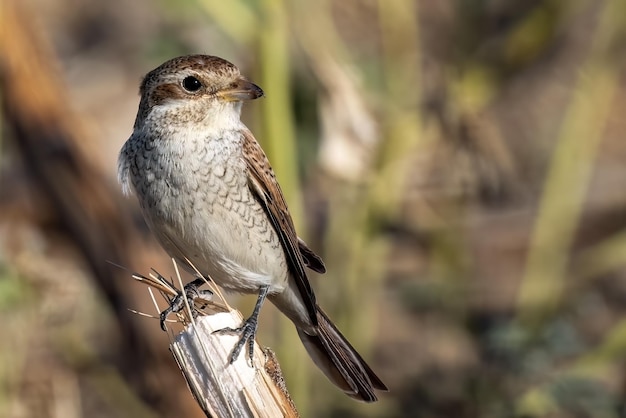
point(226, 237)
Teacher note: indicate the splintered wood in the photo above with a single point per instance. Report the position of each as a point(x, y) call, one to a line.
point(222, 389)
point(229, 390)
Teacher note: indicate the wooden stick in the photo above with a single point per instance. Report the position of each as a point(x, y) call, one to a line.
point(229, 390)
point(220, 388)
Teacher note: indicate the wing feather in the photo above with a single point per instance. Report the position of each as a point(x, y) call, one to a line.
point(262, 182)
point(312, 260)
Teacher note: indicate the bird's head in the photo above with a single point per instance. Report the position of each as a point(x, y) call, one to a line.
point(193, 89)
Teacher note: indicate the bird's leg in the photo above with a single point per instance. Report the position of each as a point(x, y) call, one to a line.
point(178, 303)
point(248, 329)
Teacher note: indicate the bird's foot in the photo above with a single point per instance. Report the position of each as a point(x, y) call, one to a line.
point(248, 329)
point(248, 335)
point(192, 292)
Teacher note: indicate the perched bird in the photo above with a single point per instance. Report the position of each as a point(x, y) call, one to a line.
point(209, 194)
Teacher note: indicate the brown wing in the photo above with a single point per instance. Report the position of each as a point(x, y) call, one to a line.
point(312, 260)
point(263, 184)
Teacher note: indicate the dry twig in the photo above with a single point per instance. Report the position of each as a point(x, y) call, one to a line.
point(220, 388)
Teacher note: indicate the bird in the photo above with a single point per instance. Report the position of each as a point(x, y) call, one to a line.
point(210, 196)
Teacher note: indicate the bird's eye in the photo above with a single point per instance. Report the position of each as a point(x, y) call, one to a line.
point(191, 84)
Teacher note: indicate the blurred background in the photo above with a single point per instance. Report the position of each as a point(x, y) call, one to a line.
point(459, 164)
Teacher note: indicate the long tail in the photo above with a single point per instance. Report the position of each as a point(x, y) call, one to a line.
point(340, 362)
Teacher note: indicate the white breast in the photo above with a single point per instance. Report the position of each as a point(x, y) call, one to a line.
point(194, 194)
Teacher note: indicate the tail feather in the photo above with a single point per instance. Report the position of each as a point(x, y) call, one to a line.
point(340, 362)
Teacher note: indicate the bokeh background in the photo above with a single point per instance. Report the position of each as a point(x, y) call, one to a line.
point(459, 164)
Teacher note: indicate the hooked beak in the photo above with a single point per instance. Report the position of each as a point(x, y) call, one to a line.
point(241, 90)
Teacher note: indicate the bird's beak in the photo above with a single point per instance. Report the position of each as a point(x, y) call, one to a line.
point(241, 90)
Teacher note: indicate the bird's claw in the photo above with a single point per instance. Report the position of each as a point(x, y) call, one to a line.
point(248, 335)
point(192, 292)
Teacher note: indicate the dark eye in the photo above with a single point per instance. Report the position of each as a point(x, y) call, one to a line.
point(191, 84)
